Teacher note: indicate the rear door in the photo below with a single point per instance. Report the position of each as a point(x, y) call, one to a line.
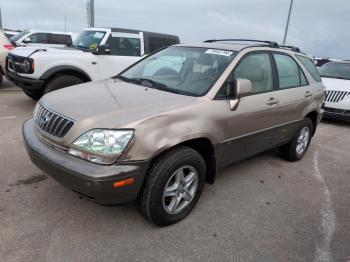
point(293, 93)
point(59, 40)
point(126, 49)
point(252, 125)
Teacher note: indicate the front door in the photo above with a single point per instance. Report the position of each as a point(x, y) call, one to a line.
point(251, 126)
point(125, 49)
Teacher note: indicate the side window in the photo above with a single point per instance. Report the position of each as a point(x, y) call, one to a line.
point(288, 71)
point(303, 80)
point(60, 39)
point(39, 38)
point(124, 46)
point(156, 43)
point(256, 68)
point(310, 66)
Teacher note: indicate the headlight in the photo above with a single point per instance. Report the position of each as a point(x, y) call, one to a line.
point(26, 66)
point(102, 146)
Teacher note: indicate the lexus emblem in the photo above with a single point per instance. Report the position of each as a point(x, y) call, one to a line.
point(44, 119)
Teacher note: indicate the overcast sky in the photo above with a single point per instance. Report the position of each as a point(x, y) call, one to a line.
point(319, 27)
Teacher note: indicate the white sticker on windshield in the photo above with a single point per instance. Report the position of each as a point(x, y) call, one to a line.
point(218, 52)
point(98, 35)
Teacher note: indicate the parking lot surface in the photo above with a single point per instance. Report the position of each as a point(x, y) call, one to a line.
point(261, 209)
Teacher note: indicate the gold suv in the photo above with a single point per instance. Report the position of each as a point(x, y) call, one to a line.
point(160, 129)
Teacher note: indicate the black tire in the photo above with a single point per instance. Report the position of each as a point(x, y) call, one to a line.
point(61, 82)
point(35, 95)
point(289, 151)
point(151, 196)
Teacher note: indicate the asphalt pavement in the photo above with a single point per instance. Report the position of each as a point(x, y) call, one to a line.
point(261, 209)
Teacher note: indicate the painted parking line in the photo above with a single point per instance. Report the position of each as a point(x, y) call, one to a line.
point(8, 117)
point(323, 249)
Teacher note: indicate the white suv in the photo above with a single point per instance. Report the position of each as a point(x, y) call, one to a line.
point(97, 53)
point(336, 79)
point(36, 38)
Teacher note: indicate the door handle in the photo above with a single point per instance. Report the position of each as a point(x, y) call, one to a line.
point(308, 94)
point(272, 101)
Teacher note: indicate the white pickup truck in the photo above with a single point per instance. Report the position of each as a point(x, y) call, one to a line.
point(97, 53)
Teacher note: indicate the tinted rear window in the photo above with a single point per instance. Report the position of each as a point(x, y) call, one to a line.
point(156, 43)
point(310, 66)
point(60, 39)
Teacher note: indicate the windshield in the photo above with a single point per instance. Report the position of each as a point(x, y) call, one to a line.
point(18, 36)
point(89, 40)
point(335, 70)
point(185, 70)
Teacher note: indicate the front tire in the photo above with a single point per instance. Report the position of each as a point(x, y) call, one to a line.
point(61, 82)
point(172, 186)
point(297, 147)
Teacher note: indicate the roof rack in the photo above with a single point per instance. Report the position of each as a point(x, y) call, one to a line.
point(270, 43)
point(292, 48)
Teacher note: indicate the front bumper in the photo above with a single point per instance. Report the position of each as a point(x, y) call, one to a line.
point(25, 83)
point(90, 180)
point(338, 114)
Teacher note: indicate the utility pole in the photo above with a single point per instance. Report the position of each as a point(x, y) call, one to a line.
point(90, 8)
point(0, 19)
point(287, 25)
point(65, 24)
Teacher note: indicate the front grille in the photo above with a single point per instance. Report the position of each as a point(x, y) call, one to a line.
point(13, 61)
point(335, 96)
point(51, 123)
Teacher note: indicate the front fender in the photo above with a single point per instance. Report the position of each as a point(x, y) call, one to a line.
point(56, 69)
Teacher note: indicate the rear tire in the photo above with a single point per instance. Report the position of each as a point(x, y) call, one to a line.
point(154, 201)
point(35, 95)
point(61, 82)
point(297, 147)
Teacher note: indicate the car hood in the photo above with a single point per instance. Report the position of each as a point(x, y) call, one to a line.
point(28, 51)
point(112, 103)
point(335, 84)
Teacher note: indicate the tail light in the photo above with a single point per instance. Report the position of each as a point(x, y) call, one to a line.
point(8, 47)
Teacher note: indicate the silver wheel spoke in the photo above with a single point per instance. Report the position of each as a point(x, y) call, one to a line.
point(179, 176)
point(171, 191)
point(189, 179)
point(303, 140)
point(180, 189)
point(187, 196)
point(175, 201)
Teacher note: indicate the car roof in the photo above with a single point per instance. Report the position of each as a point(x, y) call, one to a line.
point(240, 46)
point(225, 46)
point(48, 31)
point(129, 31)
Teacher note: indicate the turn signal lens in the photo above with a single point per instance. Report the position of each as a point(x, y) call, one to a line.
point(125, 182)
point(8, 47)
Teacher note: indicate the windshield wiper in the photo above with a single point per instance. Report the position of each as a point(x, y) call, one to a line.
point(155, 85)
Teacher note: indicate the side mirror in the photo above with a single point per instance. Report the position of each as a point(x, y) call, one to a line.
point(243, 87)
point(104, 49)
point(27, 40)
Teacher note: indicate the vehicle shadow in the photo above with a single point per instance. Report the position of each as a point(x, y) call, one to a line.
point(336, 122)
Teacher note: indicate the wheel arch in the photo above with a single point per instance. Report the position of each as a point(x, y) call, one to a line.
point(313, 116)
point(66, 70)
point(206, 149)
